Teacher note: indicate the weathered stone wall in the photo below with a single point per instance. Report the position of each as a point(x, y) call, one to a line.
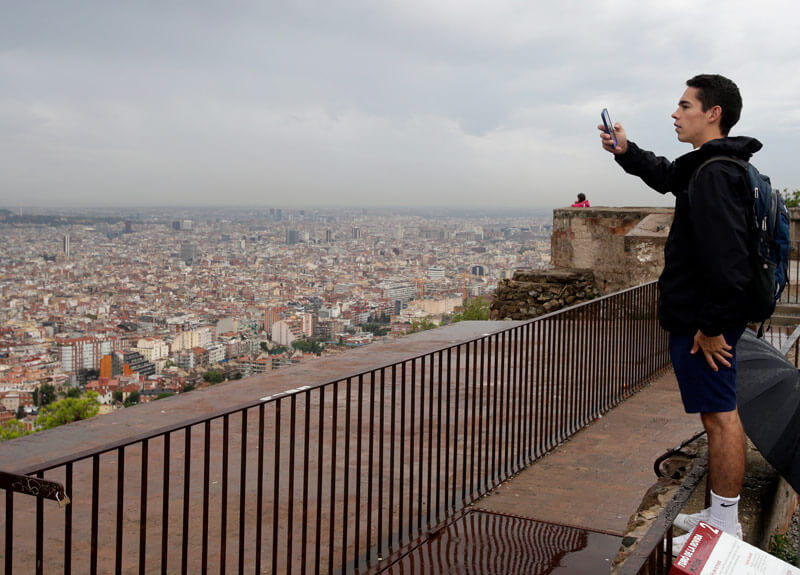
point(594, 251)
point(623, 246)
point(531, 293)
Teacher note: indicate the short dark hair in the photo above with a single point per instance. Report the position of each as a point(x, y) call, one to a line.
point(715, 90)
point(581, 197)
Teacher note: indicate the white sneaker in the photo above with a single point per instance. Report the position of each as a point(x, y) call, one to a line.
point(679, 542)
point(687, 522)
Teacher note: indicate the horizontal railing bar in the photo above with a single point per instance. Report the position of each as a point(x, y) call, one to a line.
point(35, 486)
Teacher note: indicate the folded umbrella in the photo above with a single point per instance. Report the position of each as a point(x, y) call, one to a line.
point(768, 397)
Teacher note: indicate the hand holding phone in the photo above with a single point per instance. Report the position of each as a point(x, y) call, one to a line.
point(608, 125)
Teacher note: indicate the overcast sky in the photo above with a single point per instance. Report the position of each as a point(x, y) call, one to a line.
point(372, 102)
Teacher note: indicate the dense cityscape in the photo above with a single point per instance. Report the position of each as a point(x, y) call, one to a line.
point(131, 306)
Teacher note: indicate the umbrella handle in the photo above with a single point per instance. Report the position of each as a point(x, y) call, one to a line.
point(675, 450)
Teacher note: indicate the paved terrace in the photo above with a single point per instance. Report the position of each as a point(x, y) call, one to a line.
point(567, 512)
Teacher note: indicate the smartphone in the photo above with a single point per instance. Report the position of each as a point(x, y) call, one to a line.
point(609, 126)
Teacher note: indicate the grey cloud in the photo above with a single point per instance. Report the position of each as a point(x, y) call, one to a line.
point(363, 102)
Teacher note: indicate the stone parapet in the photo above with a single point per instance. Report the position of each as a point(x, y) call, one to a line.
point(623, 246)
point(594, 251)
point(531, 293)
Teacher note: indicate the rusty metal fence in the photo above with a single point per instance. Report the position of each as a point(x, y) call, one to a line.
point(337, 477)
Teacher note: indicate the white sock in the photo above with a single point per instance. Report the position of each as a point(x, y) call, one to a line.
point(724, 512)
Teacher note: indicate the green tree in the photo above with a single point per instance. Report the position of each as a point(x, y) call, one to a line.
point(792, 198)
point(421, 325)
point(164, 394)
point(476, 309)
point(68, 410)
point(378, 330)
point(12, 429)
point(188, 387)
point(383, 318)
point(308, 346)
point(45, 395)
point(70, 391)
point(132, 399)
point(118, 397)
point(213, 377)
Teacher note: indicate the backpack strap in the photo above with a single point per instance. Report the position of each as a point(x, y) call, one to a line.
point(731, 159)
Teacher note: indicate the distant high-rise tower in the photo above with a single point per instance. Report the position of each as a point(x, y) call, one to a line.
point(329, 236)
point(66, 245)
point(188, 253)
point(356, 233)
point(292, 237)
point(271, 315)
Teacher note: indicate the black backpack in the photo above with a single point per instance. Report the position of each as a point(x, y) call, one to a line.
point(770, 224)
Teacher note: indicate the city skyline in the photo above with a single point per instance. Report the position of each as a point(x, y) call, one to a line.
point(349, 103)
point(191, 290)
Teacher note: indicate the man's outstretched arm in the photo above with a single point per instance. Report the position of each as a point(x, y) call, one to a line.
point(655, 171)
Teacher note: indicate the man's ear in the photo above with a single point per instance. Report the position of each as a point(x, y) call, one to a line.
point(715, 114)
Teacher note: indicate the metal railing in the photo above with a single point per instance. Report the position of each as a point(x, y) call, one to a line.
point(335, 477)
point(791, 294)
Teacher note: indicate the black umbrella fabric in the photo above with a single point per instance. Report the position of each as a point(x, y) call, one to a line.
point(768, 397)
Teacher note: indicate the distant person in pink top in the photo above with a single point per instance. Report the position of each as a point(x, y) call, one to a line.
point(582, 201)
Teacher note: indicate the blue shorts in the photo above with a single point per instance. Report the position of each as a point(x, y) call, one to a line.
point(702, 389)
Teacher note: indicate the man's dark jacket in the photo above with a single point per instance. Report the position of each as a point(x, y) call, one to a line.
point(707, 265)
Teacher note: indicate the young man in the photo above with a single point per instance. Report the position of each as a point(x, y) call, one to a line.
point(703, 288)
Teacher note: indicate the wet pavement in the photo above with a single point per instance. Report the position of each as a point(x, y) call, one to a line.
point(483, 542)
point(566, 513)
